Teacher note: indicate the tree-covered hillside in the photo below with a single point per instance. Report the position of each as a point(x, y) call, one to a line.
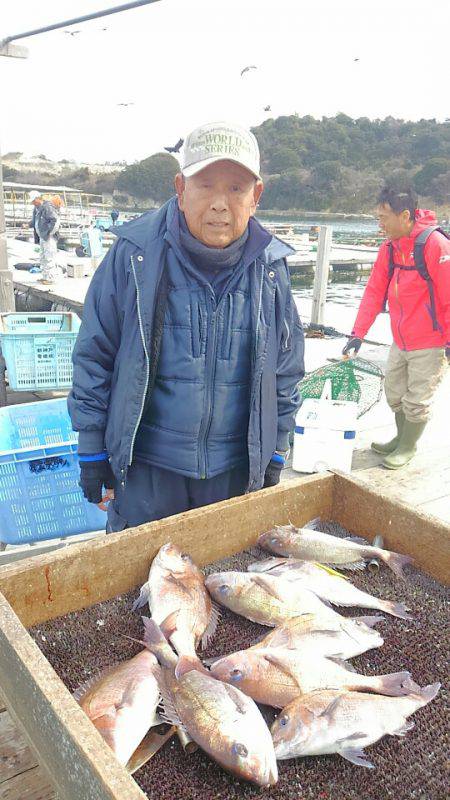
point(333, 164)
point(338, 163)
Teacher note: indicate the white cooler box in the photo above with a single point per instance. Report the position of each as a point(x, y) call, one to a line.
point(325, 432)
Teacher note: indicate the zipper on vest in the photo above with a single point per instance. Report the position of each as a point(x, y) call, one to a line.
point(210, 371)
point(147, 362)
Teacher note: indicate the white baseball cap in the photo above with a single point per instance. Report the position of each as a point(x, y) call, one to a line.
point(33, 195)
point(220, 141)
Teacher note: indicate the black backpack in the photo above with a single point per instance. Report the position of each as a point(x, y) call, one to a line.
point(420, 266)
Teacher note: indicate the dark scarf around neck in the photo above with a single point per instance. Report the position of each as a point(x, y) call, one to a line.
point(214, 258)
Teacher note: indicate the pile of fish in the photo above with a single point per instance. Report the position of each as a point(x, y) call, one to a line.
point(299, 667)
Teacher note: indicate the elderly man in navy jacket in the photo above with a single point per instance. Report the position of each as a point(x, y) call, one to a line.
point(187, 365)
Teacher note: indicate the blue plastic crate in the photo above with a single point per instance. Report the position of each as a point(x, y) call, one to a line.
point(38, 349)
point(39, 493)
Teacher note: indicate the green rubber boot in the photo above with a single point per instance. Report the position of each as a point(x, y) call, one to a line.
point(406, 448)
point(389, 447)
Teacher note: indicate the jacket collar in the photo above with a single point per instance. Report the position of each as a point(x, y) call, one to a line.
point(152, 224)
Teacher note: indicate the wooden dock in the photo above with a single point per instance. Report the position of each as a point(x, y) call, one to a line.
point(21, 777)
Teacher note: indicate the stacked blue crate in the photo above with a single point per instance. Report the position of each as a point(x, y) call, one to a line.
point(37, 348)
point(39, 493)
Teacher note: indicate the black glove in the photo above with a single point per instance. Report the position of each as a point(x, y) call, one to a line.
point(272, 474)
point(93, 476)
point(353, 344)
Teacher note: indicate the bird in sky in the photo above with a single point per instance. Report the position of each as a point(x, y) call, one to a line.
point(267, 108)
point(125, 104)
point(72, 33)
point(356, 59)
point(176, 148)
point(246, 69)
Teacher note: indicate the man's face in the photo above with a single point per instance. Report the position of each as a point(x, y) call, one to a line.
point(218, 202)
point(392, 224)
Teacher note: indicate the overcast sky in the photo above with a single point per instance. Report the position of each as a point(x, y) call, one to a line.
point(179, 62)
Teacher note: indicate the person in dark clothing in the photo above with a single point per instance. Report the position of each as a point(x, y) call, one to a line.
point(36, 201)
point(188, 362)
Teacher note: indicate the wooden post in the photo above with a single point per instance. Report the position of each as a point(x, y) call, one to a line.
point(321, 275)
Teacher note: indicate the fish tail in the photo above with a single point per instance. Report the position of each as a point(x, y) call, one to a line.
point(396, 562)
point(395, 609)
point(144, 596)
point(156, 642)
point(394, 684)
point(428, 693)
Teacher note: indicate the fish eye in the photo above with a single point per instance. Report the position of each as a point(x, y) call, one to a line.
point(284, 719)
point(236, 674)
point(239, 749)
point(185, 557)
point(224, 588)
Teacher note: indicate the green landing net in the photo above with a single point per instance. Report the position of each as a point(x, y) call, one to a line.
point(352, 379)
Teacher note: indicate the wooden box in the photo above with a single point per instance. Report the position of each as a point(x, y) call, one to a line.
point(78, 762)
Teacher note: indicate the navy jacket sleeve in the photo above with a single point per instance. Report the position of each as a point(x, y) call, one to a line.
point(95, 350)
point(290, 371)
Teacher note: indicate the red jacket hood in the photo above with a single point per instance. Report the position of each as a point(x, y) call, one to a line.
point(424, 219)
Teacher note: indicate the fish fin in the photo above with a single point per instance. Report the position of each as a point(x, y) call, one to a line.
point(279, 638)
point(105, 725)
point(313, 524)
point(408, 725)
point(235, 696)
point(370, 621)
point(211, 628)
point(188, 664)
point(266, 564)
point(177, 581)
point(156, 642)
point(169, 625)
point(354, 565)
point(331, 571)
point(396, 609)
point(84, 687)
point(341, 662)
point(144, 597)
point(275, 657)
point(151, 743)
point(169, 714)
point(268, 587)
point(331, 707)
point(356, 756)
point(356, 540)
point(396, 562)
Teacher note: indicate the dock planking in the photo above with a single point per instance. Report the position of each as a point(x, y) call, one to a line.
point(21, 777)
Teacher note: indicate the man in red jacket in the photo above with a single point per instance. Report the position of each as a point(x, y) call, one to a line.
point(412, 272)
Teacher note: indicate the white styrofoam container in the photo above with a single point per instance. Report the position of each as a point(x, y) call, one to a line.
point(325, 432)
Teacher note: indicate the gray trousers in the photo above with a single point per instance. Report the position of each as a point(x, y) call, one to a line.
point(48, 259)
point(412, 377)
